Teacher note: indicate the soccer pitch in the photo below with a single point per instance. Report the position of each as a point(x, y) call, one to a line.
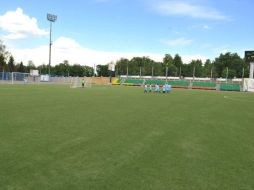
point(54, 137)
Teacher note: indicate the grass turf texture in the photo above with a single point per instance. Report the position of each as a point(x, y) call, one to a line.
point(54, 137)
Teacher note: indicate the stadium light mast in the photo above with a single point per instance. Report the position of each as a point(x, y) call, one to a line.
point(51, 18)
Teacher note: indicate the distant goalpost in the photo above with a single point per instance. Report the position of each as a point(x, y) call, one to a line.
point(14, 77)
point(76, 82)
point(18, 78)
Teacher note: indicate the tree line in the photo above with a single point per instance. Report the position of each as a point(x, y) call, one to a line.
point(228, 65)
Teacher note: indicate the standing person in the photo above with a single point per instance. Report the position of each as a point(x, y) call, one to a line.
point(145, 88)
point(157, 88)
point(164, 88)
point(83, 83)
point(150, 88)
point(167, 87)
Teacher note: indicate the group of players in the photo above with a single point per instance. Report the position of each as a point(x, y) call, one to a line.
point(166, 88)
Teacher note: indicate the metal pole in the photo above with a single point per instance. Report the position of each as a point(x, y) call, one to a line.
point(12, 78)
point(51, 18)
point(152, 71)
point(110, 79)
point(127, 70)
point(3, 75)
point(167, 73)
point(227, 75)
point(211, 72)
point(194, 69)
point(50, 43)
point(116, 73)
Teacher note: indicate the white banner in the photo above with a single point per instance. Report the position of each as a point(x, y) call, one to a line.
point(44, 78)
point(34, 72)
point(111, 67)
point(248, 85)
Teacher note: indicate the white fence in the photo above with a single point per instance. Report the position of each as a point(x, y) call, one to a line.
point(26, 78)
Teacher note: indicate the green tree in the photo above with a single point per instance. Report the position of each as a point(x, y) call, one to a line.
point(43, 69)
point(187, 70)
point(228, 73)
point(168, 66)
point(62, 69)
point(231, 60)
point(30, 66)
point(21, 67)
point(2, 62)
point(76, 70)
point(158, 70)
point(3, 56)
point(137, 62)
point(149, 66)
point(88, 71)
point(196, 66)
point(121, 66)
point(102, 70)
point(177, 61)
point(208, 69)
point(11, 65)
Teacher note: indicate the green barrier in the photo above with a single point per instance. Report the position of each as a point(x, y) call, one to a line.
point(179, 83)
point(230, 87)
point(134, 81)
point(159, 82)
point(204, 84)
point(183, 83)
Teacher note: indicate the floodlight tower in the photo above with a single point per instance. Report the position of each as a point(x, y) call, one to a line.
point(51, 18)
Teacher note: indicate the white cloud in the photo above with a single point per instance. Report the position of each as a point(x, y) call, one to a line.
point(183, 8)
point(68, 49)
point(178, 42)
point(18, 25)
point(206, 27)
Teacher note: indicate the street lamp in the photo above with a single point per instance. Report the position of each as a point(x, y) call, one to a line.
point(51, 18)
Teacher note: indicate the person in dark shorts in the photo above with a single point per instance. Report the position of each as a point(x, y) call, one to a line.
point(83, 83)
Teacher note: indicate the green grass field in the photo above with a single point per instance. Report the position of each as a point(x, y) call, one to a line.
point(54, 137)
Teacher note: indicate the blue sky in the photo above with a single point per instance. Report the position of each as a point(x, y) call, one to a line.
point(99, 31)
